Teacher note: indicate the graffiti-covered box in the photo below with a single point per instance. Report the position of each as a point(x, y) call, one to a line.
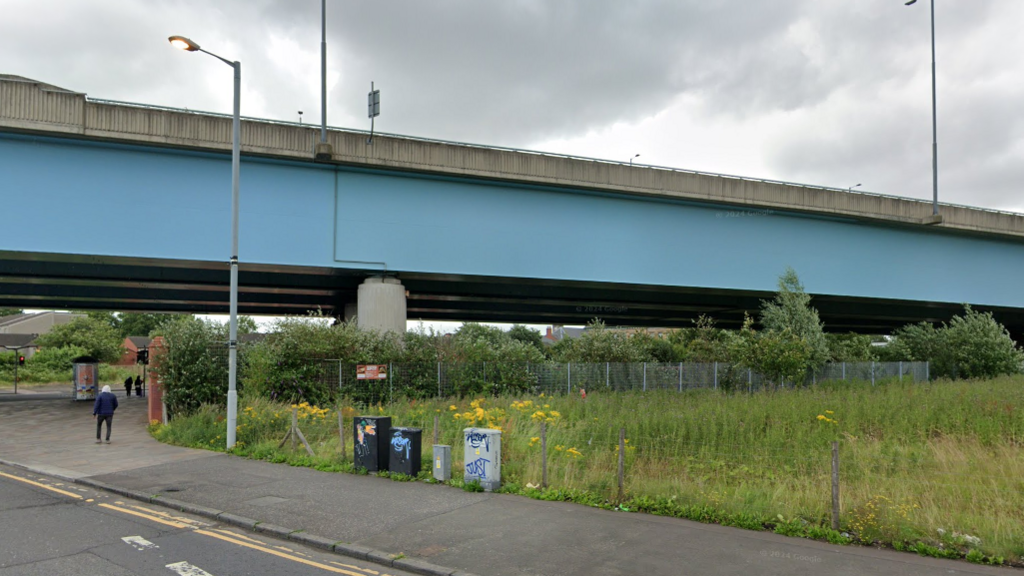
point(371, 442)
point(406, 450)
point(483, 457)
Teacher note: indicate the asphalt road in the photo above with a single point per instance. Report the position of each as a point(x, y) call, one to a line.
point(51, 528)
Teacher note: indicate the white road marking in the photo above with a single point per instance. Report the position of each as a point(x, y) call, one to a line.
point(186, 569)
point(139, 543)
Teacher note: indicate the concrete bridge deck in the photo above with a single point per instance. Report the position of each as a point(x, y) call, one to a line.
point(31, 106)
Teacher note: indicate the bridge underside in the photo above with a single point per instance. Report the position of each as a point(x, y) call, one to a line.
point(55, 281)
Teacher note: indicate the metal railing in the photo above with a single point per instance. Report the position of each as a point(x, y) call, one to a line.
point(558, 155)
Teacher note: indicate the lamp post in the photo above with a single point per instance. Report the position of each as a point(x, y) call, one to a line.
point(631, 159)
point(323, 71)
point(850, 189)
point(190, 46)
point(935, 131)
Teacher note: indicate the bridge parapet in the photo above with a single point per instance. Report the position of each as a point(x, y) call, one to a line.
point(30, 106)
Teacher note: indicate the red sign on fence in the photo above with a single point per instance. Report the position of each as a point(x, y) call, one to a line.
point(371, 372)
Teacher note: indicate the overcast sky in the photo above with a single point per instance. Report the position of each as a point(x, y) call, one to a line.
point(822, 92)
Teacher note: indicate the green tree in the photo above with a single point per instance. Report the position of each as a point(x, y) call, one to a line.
point(977, 346)
point(974, 345)
point(527, 335)
point(10, 311)
point(779, 356)
point(791, 311)
point(142, 324)
point(98, 338)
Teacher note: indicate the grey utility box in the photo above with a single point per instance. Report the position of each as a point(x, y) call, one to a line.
point(442, 462)
point(371, 442)
point(483, 457)
point(406, 454)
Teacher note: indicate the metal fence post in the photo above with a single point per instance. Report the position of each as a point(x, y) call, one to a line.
point(607, 374)
point(844, 370)
point(927, 371)
point(438, 379)
point(645, 376)
point(680, 376)
point(716, 375)
point(341, 376)
point(391, 384)
point(568, 378)
point(835, 485)
point(872, 372)
point(750, 381)
point(901, 370)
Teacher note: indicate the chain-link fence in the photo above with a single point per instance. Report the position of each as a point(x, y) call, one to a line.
point(439, 379)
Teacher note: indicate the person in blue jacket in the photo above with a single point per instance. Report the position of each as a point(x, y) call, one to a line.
point(103, 411)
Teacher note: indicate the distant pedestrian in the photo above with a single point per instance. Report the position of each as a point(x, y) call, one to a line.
point(138, 386)
point(103, 411)
point(128, 386)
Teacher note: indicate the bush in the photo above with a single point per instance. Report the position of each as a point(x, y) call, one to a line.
point(974, 345)
point(57, 359)
point(194, 368)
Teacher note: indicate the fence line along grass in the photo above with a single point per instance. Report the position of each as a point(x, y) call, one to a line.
point(940, 463)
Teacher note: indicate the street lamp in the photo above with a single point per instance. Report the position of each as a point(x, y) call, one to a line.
point(935, 132)
point(850, 189)
point(190, 46)
point(631, 159)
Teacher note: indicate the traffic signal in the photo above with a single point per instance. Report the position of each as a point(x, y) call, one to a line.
point(142, 356)
point(21, 360)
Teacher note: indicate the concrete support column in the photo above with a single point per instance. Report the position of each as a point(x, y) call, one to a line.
point(381, 305)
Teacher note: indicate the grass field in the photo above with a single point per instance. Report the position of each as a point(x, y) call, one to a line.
point(937, 468)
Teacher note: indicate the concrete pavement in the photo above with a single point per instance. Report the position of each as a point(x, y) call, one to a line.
point(488, 534)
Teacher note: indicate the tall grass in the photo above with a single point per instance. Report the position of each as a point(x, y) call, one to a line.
point(917, 461)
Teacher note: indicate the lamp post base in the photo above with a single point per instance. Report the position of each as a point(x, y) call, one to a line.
point(324, 152)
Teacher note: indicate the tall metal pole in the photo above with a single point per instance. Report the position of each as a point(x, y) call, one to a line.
point(935, 129)
point(323, 70)
point(236, 134)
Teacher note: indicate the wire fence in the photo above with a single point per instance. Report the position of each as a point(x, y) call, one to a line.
point(440, 379)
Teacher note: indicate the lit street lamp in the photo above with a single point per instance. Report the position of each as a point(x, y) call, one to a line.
point(935, 133)
point(186, 44)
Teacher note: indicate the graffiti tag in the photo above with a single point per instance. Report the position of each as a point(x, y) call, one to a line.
point(476, 440)
point(400, 443)
point(478, 468)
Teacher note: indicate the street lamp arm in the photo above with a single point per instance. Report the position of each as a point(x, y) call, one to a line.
point(224, 60)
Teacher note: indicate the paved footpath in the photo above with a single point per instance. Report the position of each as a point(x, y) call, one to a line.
point(486, 534)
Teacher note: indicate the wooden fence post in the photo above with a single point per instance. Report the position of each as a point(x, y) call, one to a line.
point(835, 485)
point(295, 425)
point(543, 454)
point(341, 430)
point(622, 460)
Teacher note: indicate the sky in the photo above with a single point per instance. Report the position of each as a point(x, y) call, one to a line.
point(819, 92)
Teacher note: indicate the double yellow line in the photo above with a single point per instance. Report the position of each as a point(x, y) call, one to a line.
point(178, 524)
